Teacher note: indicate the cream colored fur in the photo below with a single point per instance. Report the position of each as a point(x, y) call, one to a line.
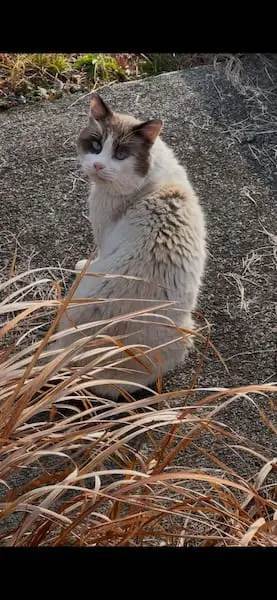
point(156, 232)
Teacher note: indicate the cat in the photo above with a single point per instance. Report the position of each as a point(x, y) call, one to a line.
point(148, 225)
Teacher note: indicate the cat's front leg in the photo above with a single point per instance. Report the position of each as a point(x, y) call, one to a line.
point(81, 263)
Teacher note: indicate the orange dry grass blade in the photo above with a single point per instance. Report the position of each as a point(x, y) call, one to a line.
point(40, 348)
point(106, 492)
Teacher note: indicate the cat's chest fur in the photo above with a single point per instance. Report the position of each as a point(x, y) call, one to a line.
point(105, 211)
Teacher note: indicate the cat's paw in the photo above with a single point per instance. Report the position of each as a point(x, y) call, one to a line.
point(80, 264)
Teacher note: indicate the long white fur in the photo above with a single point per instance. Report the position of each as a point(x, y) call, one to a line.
point(139, 235)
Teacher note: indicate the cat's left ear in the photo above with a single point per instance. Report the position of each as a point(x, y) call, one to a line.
point(98, 110)
point(149, 130)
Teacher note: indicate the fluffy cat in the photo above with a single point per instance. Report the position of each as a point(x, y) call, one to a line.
point(148, 224)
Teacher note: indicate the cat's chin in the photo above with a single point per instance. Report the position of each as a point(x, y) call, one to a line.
point(111, 189)
point(99, 179)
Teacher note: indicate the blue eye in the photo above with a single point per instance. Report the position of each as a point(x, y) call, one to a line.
point(121, 153)
point(95, 147)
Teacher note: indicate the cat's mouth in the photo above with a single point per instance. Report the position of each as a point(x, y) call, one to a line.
point(101, 177)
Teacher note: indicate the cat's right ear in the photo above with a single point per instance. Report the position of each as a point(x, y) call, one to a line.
point(149, 130)
point(98, 110)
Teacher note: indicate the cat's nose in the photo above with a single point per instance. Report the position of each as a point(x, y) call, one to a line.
point(98, 166)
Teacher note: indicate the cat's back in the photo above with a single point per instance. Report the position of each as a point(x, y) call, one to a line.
point(171, 221)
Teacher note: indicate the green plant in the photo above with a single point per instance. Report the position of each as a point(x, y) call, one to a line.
point(47, 75)
point(54, 63)
point(154, 64)
point(102, 67)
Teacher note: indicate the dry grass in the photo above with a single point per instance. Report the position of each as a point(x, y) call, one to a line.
point(31, 77)
point(258, 89)
point(254, 266)
point(83, 470)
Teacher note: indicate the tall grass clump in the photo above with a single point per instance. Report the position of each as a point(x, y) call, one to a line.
point(80, 469)
point(20, 67)
point(100, 67)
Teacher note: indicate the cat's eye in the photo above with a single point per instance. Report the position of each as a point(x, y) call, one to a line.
point(121, 153)
point(95, 146)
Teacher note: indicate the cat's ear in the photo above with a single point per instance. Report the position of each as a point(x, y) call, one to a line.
point(98, 110)
point(149, 130)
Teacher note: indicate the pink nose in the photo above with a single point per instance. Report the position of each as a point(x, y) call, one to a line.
point(98, 166)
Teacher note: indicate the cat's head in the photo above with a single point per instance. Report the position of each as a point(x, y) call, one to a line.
point(115, 149)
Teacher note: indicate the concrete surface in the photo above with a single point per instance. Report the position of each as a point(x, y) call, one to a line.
point(212, 125)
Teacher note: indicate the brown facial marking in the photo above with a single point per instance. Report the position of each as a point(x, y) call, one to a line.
point(129, 135)
point(86, 137)
point(149, 130)
point(123, 130)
